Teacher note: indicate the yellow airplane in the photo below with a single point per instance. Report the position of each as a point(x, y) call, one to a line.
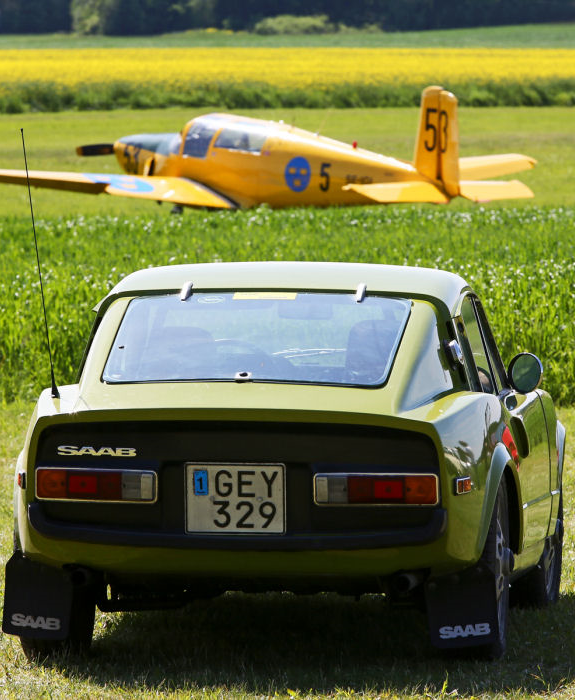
point(223, 161)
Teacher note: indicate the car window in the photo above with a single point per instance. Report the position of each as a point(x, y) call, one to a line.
point(474, 350)
point(269, 336)
point(497, 366)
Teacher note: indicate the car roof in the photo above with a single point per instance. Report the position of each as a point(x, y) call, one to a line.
point(414, 282)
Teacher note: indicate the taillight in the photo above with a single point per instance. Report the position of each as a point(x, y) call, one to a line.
point(376, 489)
point(117, 485)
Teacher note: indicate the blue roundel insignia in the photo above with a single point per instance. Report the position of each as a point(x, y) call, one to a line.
point(127, 183)
point(297, 174)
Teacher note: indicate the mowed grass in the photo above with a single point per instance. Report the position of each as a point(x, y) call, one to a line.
point(283, 646)
point(545, 133)
point(521, 36)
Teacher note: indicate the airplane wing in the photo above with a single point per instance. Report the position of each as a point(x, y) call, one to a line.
point(478, 167)
point(416, 191)
point(398, 192)
point(176, 190)
point(488, 190)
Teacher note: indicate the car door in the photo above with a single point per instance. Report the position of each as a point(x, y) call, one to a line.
point(523, 429)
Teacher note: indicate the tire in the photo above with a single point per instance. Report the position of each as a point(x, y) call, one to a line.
point(540, 586)
point(79, 634)
point(498, 558)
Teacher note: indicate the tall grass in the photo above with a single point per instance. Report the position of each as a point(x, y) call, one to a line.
point(521, 261)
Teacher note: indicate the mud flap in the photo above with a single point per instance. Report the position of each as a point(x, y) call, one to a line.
point(462, 609)
point(37, 600)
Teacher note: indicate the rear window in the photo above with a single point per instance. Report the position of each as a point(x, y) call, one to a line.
point(260, 336)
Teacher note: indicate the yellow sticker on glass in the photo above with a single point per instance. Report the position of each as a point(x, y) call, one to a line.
point(264, 295)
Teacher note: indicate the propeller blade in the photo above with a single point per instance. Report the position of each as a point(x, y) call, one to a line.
point(96, 149)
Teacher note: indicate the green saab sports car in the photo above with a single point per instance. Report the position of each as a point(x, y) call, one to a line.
point(296, 427)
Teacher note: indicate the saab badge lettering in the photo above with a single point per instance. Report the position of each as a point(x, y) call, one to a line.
point(478, 630)
point(40, 622)
point(74, 451)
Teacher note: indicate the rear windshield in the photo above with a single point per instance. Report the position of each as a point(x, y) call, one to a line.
point(259, 336)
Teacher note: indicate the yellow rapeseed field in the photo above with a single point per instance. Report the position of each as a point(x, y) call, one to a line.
point(293, 67)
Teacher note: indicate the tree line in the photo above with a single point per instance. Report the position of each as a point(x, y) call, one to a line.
point(141, 17)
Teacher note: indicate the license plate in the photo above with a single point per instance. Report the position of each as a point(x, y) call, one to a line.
point(235, 498)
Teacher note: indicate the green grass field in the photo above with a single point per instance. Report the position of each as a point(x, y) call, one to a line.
point(525, 246)
point(524, 36)
point(519, 256)
point(546, 133)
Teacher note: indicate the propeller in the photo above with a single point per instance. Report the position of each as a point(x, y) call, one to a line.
point(96, 149)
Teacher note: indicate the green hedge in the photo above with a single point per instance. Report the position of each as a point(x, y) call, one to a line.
point(52, 97)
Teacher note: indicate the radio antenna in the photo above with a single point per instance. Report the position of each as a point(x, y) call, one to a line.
point(55, 393)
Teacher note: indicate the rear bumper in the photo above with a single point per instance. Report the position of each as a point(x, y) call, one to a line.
point(90, 534)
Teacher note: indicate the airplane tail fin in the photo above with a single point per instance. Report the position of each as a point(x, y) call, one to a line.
point(437, 155)
point(437, 144)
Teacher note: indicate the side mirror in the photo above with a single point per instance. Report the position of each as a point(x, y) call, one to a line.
point(525, 372)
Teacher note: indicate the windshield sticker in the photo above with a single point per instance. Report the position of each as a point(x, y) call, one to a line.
point(210, 300)
point(265, 295)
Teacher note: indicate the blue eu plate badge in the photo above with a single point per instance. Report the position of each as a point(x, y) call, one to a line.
point(200, 482)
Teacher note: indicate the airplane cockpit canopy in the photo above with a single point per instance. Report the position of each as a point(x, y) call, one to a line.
point(231, 135)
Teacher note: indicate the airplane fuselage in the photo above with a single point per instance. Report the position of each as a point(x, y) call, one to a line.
point(252, 161)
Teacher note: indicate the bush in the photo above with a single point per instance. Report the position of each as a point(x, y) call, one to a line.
point(291, 24)
point(564, 99)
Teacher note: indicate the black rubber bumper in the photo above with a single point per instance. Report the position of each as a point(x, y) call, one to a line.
point(57, 529)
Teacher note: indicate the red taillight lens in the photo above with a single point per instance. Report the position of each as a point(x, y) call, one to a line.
point(82, 485)
point(421, 490)
point(51, 483)
point(95, 484)
point(111, 486)
point(376, 489)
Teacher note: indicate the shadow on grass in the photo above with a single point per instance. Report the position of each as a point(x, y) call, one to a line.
point(271, 643)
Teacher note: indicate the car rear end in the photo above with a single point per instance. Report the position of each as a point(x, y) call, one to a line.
point(239, 439)
point(203, 502)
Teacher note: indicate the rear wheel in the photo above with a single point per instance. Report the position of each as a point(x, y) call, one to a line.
point(540, 586)
point(498, 558)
